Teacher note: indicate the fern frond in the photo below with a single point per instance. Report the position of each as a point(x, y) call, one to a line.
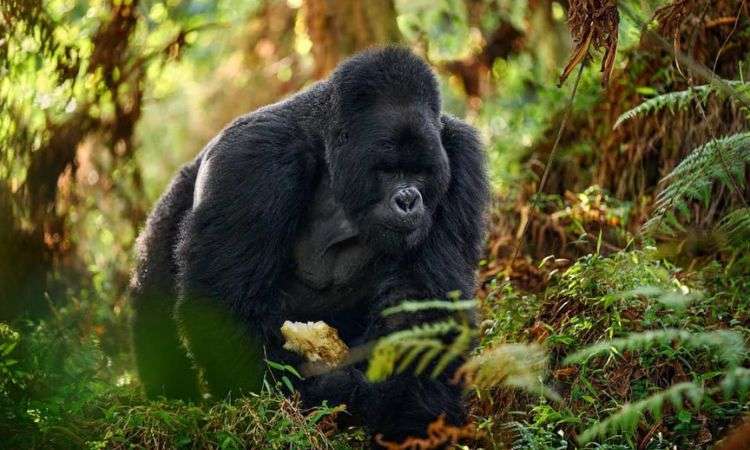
point(721, 159)
point(422, 345)
point(515, 365)
point(671, 298)
point(425, 344)
point(679, 99)
point(705, 157)
point(729, 344)
point(736, 384)
point(627, 418)
point(459, 346)
point(443, 305)
point(735, 227)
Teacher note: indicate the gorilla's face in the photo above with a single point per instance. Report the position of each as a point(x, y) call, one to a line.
point(390, 173)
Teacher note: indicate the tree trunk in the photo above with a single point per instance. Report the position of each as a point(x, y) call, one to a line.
point(339, 28)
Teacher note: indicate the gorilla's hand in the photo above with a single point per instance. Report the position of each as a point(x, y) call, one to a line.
point(346, 386)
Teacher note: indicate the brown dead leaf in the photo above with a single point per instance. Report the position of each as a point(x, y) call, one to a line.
point(539, 331)
point(439, 435)
point(738, 439)
point(593, 23)
point(566, 373)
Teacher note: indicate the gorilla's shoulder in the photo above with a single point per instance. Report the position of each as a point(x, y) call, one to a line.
point(468, 163)
point(283, 125)
point(461, 139)
point(455, 129)
point(271, 121)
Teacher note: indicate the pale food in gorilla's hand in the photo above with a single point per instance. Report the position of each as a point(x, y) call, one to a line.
point(316, 341)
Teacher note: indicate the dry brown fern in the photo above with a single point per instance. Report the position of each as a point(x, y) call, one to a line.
point(439, 434)
point(593, 23)
point(671, 16)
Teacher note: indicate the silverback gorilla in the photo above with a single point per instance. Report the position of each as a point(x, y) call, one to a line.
point(344, 199)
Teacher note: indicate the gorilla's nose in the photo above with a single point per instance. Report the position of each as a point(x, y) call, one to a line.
point(407, 202)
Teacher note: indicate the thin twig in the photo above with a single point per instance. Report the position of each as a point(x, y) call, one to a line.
point(694, 36)
point(548, 164)
point(731, 33)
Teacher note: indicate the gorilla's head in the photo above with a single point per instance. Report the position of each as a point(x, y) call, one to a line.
point(388, 167)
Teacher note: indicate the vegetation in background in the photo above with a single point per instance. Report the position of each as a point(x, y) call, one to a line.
point(626, 300)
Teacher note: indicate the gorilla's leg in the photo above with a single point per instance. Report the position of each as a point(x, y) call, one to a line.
point(228, 350)
point(406, 404)
point(163, 365)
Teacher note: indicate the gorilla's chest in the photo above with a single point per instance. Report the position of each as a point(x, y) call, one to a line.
point(329, 260)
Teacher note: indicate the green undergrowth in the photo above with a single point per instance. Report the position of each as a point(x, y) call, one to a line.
point(61, 391)
point(643, 354)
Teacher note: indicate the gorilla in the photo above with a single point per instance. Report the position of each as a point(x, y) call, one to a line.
point(346, 198)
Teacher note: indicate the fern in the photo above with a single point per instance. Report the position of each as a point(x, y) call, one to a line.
point(671, 298)
point(424, 344)
point(721, 159)
point(443, 305)
point(735, 227)
point(627, 418)
point(729, 345)
point(514, 365)
point(421, 344)
point(736, 384)
point(680, 99)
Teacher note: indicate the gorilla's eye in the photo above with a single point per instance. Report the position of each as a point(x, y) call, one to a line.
point(418, 170)
point(385, 167)
point(386, 175)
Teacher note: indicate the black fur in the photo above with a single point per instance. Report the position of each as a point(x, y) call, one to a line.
point(234, 246)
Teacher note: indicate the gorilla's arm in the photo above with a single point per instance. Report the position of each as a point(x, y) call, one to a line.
point(405, 404)
point(254, 183)
point(163, 366)
point(451, 254)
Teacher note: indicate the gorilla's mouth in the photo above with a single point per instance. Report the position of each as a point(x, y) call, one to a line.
point(396, 239)
point(405, 229)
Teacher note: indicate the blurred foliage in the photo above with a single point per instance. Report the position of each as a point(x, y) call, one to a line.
point(101, 102)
